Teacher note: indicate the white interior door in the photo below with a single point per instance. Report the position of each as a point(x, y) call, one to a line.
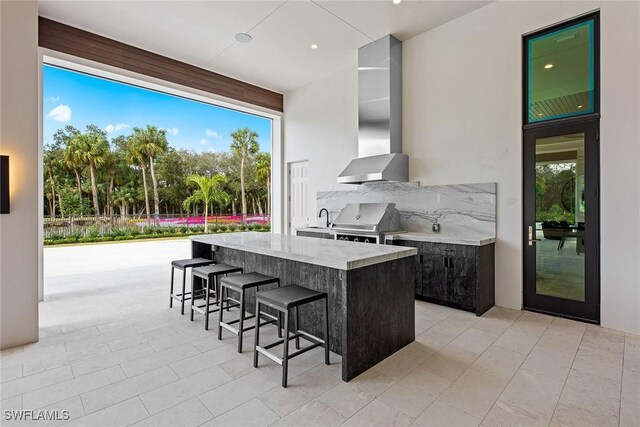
point(298, 194)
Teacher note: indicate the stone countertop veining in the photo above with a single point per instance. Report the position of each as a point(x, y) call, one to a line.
point(325, 252)
point(467, 239)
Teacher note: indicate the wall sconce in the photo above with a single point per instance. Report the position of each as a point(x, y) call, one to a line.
point(4, 184)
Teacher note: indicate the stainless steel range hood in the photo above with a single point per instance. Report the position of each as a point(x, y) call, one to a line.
point(380, 155)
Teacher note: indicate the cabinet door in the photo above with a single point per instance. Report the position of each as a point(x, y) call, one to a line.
point(434, 272)
point(462, 275)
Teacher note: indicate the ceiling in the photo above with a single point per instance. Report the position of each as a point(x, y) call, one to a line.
point(202, 33)
point(572, 143)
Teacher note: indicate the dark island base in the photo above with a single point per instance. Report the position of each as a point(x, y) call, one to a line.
point(371, 309)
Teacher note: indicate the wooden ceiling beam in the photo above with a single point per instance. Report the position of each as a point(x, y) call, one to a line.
point(74, 41)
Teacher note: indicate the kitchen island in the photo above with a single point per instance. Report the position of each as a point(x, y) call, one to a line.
point(370, 287)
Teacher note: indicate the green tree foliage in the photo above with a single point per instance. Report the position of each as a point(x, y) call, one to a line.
point(263, 171)
point(92, 149)
point(172, 168)
point(71, 204)
point(151, 142)
point(85, 173)
point(244, 144)
point(555, 192)
point(208, 190)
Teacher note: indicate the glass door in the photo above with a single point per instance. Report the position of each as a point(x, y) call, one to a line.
point(561, 220)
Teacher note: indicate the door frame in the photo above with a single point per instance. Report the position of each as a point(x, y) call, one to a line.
point(589, 310)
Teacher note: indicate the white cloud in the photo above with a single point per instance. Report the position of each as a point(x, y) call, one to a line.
point(116, 128)
point(212, 133)
point(172, 131)
point(52, 99)
point(204, 142)
point(61, 113)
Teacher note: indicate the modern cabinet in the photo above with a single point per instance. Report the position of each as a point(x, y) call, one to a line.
point(461, 276)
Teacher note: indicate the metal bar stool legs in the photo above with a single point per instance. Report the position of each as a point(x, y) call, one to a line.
point(171, 290)
point(284, 300)
point(210, 276)
point(240, 284)
point(285, 351)
point(184, 264)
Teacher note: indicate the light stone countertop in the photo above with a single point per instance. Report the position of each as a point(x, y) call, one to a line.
point(470, 240)
point(325, 252)
point(467, 239)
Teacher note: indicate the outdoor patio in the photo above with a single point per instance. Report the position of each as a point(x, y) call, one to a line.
point(111, 352)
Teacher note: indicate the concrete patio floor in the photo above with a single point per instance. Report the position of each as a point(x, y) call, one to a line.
point(112, 353)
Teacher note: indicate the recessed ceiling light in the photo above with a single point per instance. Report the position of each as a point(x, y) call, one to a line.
point(396, 1)
point(548, 66)
point(243, 38)
point(579, 106)
point(314, 46)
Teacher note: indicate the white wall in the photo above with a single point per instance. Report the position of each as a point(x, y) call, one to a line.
point(19, 247)
point(321, 126)
point(462, 123)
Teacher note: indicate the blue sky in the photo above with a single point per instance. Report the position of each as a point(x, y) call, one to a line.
point(77, 99)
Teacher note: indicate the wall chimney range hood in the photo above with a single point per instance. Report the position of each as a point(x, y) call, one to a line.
point(380, 155)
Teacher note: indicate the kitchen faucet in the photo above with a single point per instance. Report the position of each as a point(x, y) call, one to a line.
point(320, 215)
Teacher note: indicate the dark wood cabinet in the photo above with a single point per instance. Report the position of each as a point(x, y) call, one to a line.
point(460, 276)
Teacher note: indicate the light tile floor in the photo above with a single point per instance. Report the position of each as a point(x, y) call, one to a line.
point(112, 354)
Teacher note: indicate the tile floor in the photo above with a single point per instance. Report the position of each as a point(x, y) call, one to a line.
point(112, 354)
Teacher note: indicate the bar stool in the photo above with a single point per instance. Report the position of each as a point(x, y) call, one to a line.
point(240, 284)
point(183, 264)
point(210, 274)
point(283, 300)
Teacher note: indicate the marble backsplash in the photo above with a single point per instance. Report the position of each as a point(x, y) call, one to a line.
point(461, 210)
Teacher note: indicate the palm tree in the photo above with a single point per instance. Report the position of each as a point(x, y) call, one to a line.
point(92, 147)
point(71, 157)
point(124, 197)
point(113, 159)
point(263, 165)
point(134, 157)
point(52, 163)
point(209, 190)
point(244, 144)
point(152, 141)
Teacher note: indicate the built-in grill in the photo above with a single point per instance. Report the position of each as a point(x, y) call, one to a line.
point(366, 222)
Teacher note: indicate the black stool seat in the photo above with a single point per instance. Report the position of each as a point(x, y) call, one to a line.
point(209, 276)
point(247, 280)
point(290, 296)
point(190, 262)
point(184, 264)
point(207, 270)
point(241, 284)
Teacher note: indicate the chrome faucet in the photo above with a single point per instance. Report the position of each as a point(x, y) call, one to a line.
point(320, 215)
